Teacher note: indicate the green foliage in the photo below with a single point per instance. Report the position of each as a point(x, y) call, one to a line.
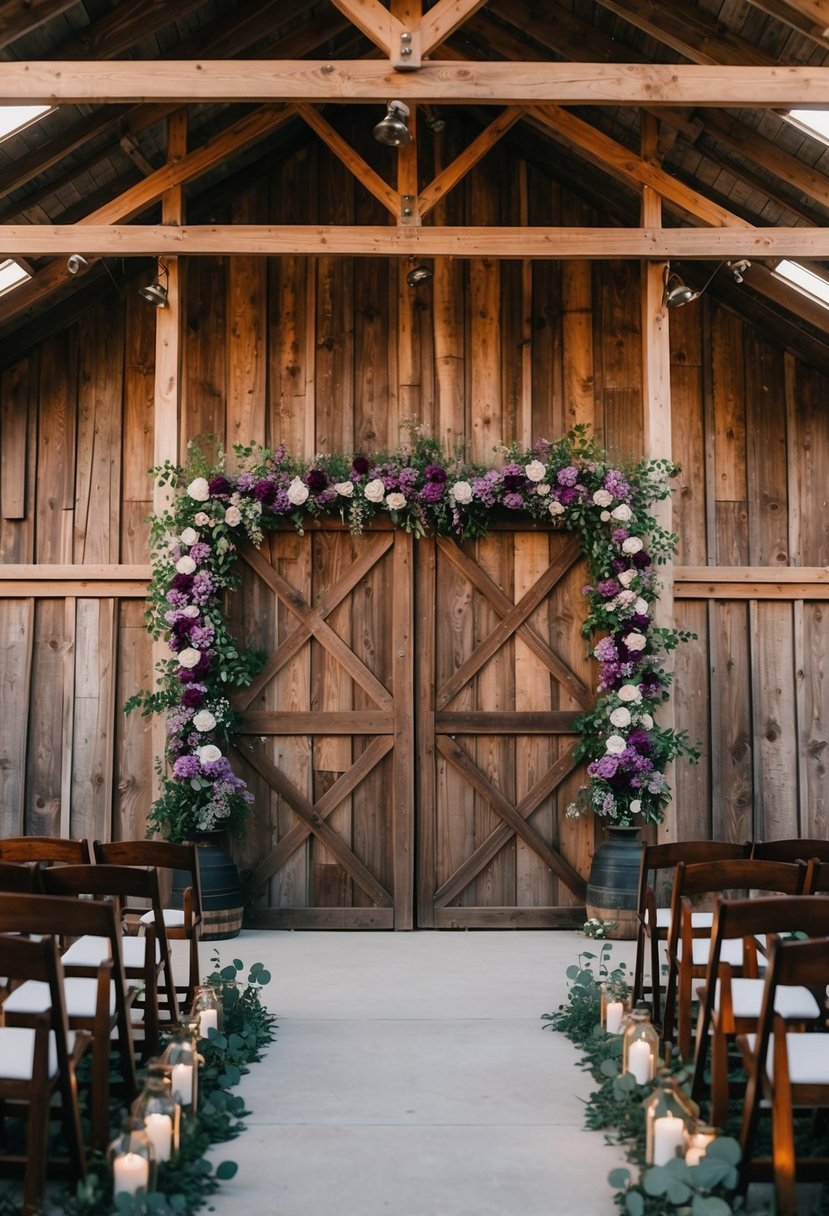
point(184, 1185)
point(578, 1018)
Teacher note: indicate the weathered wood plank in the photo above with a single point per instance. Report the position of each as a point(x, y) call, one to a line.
point(403, 781)
point(97, 510)
point(14, 424)
point(51, 651)
point(731, 734)
point(774, 721)
point(56, 449)
point(17, 629)
point(813, 720)
point(93, 737)
point(134, 757)
point(510, 918)
point(246, 327)
point(767, 464)
point(139, 414)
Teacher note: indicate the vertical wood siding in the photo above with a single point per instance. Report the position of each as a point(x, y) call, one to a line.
point(325, 353)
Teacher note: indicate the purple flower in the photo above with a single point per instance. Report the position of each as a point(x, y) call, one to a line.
point(641, 560)
point(316, 480)
point(618, 535)
point(200, 552)
point(186, 766)
point(433, 491)
point(177, 598)
point(360, 465)
point(640, 621)
point(264, 491)
point(567, 476)
point(567, 496)
point(202, 636)
point(605, 767)
point(434, 472)
point(219, 485)
point(641, 741)
point(203, 587)
point(616, 484)
point(182, 582)
point(650, 686)
point(608, 588)
point(245, 482)
point(606, 651)
point(218, 769)
point(514, 501)
point(619, 564)
point(193, 696)
point(183, 627)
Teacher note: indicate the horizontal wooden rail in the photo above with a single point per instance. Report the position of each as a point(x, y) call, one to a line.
point(690, 583)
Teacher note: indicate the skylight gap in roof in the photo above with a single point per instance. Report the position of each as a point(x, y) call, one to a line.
point(15, 118)
point(813, 122)
point(807, 281)
point(11, 275)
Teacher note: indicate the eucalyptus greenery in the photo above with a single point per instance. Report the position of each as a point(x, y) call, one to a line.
point(184, 1185)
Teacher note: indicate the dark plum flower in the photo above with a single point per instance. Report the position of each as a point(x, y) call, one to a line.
point(641, 741)
point(316, 480)
point(640, 620)
point(433, 491)
point(264, 491)
point(181, 582)
point(513, 481)
point(567, 496)
point(641, 560)
point(434, 472)
point(650, 686)
point(193, 696)
point(619, 564)
point(218, 486)
point(360, 465)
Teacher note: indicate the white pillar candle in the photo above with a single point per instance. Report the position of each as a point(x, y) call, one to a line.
point(613, 1016)
point(668, 1136)
point(640, 1062)
point(159, 1129)
point(131, 1173)
point(182, 1083)
point(208, 1018)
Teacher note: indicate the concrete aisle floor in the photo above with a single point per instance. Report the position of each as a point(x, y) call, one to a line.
point(411, 1077)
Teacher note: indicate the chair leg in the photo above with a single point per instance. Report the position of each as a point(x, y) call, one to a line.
point(639, 965)
point(719, 1079)
point(782, 1131)
point(37, 1147)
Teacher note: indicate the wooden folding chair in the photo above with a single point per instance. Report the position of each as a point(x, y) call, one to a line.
point(730, 1005)
point(146, 958)
point(97, 999)
point(51, 850)
point(787, 1070)
point(36, 1063)
point(795, 849)
point(688, 946)
point(181, 923)
point(19, 878)
point(654, 915)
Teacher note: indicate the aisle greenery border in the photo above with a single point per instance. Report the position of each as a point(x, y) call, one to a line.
point(569, 483)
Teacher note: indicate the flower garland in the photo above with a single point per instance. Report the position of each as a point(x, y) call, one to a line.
point(569, 483)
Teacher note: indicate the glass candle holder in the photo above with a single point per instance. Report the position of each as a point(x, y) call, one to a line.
point(669, 1113)
point(207, 1008)
point(132, 1160)
point(697, 1139)
point(182, 1058)
point(611, 1010)
point(640, 1046)
point(159, 1111)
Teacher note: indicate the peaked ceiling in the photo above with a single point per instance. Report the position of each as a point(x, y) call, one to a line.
point(711, 140)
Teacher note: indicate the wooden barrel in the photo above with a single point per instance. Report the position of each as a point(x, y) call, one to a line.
point(613, 885)
point(221, 890)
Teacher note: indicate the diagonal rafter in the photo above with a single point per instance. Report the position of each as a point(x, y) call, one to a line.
point(513, 620)
point(352, 160)
point(443, 19)
point(449, 177)
point(330, 800)
point(514, 821)
point(309, 813)
point(312, 622)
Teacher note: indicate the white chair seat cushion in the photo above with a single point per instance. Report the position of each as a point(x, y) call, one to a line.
point(731, 951)
point(80, 995)
point(700, 920)
point(808, 1057)
point(173, 918)
point(789, 1002)
point(17, 1053)
point(89, 951)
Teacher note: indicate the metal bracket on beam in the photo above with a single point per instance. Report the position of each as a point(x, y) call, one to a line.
point(406, 56)
point(409, 214)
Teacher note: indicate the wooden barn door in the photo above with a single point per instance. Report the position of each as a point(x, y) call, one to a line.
point(504, 672)
point(327, 732)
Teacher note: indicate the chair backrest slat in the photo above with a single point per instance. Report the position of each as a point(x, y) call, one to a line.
point(49, 849)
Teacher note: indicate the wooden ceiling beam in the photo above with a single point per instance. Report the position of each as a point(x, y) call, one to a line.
point(375, 21)
point(352, 160)
point(440, 83)
point(449, 177)
point(808, 17)
point(689, 31)
point(443, 19)
point(134, 240)
point(19, 17)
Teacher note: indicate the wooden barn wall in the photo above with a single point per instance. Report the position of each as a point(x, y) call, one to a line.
point(330, 353)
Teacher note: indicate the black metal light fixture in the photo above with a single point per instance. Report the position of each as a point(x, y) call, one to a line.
point(156, 292)
point(392, 129)
point(418, 274)
point(676, 293)
point(76, 262)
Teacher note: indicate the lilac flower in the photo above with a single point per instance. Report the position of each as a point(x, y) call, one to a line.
point(177, 598)
point(606, 651)
point(186, 767)
point(617, 485)
point(608, 588)
point(200, 552)
point(216, 769)
point(203, 587)
point(542, 448)
point(567, 496)
point(605, 767)
point(202, 636)
point(618, 535)
point(433, 491)
point(245, 482)
point(567, 476)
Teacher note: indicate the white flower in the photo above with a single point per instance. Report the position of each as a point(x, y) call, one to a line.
point(623, 513)
point(535, 470)
point(635, 640)
point(556, 508)
point(189, 536)
point(233, 516)
point(297, 492)
point(646, 721)
point(632, 544)
point(374, 490)
point(627, 577)
point(543, 489)
point(641, 607)
point(605, 516)
point(199, 489)
point(185, 565)
point(620, 717)
point(191, 611)
point(189, 657)
point(204, 720)
point(345, 489)
point(395, 501)
point(630, 694)
point(602, 498)
point(461, 492)
point(635, 806)
point(614, 745)
point(201, 518)
point(625, 598)
point(208, 753)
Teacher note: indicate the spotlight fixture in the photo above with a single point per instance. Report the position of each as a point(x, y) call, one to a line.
point(676, 293)
point(418, 274)
point(156, 292)
point(392, 129)
point(76, 262)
